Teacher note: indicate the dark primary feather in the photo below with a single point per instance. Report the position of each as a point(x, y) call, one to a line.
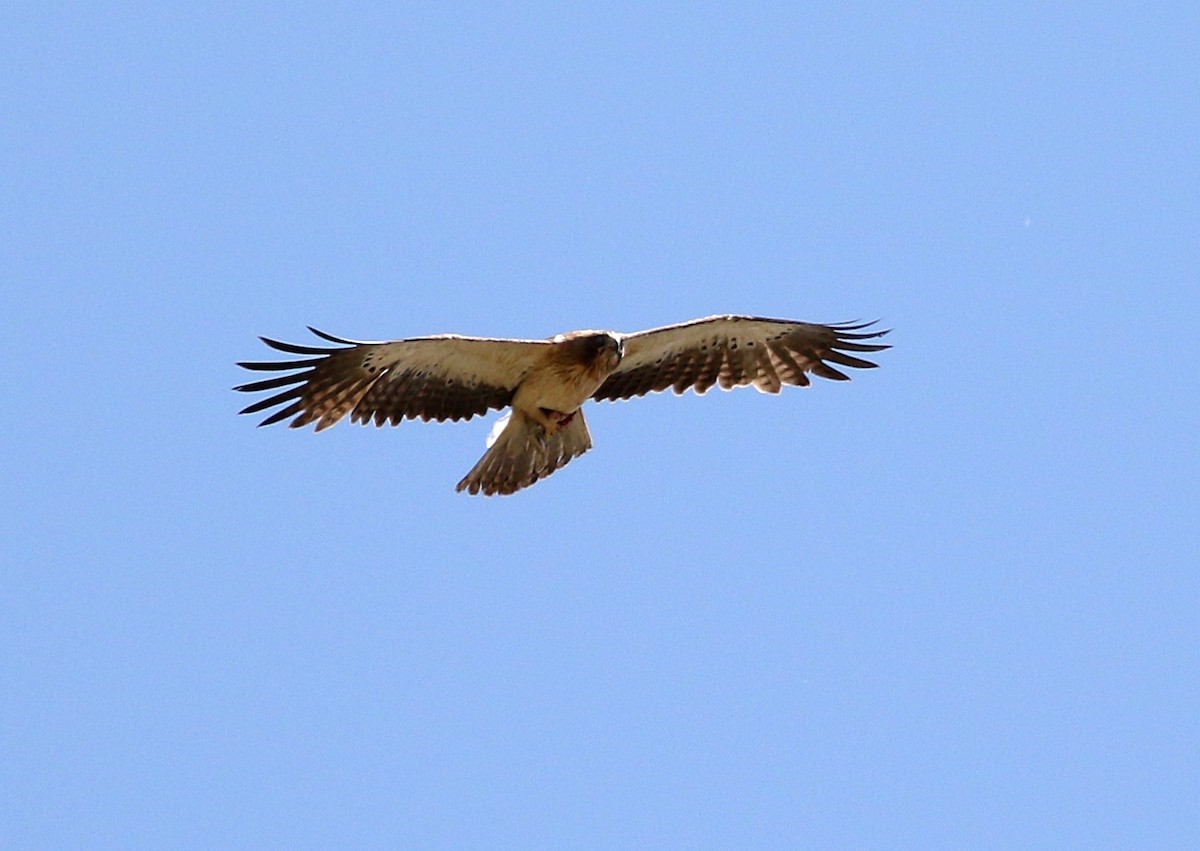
point(731, 351)
point(426, 378)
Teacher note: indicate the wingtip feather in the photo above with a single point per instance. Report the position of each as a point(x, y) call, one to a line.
point(331, 338)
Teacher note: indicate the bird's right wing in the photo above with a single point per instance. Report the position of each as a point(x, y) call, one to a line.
point(446, 377)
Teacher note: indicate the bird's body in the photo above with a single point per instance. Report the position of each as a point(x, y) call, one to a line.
point(545, 382)
point(567, 375)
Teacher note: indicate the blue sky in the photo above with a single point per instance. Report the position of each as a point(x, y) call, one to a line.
point(950, 604)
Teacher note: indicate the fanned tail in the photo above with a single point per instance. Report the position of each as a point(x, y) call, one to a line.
point(520, 452)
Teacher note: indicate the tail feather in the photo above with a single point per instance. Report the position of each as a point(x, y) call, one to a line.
point(520, 452)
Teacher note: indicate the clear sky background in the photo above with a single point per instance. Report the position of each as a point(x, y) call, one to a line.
point(951, 604)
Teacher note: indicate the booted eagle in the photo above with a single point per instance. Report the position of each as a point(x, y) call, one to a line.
point(544, 382)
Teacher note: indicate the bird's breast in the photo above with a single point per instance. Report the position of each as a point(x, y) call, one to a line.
point(560, 386)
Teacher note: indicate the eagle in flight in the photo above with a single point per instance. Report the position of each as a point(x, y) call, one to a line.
point(543, 382)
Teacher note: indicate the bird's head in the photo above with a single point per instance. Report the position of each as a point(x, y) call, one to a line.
point(602, 350)
point(606, 349)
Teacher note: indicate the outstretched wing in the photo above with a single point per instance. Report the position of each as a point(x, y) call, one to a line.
point(735, 350)
point(442, 378)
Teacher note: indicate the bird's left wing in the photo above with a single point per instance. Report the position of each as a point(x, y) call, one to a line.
point(446, 377)
point(730, 351)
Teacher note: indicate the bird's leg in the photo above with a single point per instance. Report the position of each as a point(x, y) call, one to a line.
point(552, 420)
point(546, 418)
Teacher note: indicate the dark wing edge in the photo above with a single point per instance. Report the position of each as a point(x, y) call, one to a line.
point(728, 358)
point(363, 379)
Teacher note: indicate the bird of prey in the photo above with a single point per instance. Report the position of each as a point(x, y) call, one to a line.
point(543, 382)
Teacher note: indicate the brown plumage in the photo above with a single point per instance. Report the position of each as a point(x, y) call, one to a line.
point(545, 382)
